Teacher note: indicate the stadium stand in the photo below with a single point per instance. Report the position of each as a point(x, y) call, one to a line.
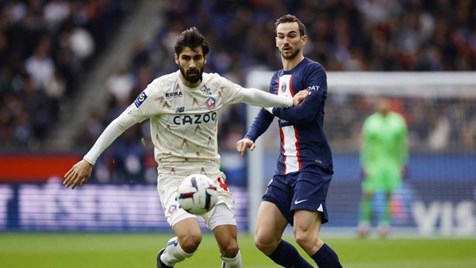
point(46, 48)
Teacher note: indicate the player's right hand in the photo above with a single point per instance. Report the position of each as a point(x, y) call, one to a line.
point(78, 174)
point(300, 96)
point(244, 144)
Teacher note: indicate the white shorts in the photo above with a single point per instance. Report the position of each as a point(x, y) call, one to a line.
point(222, 214)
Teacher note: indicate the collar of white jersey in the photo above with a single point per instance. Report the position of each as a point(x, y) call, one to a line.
point(205, 78)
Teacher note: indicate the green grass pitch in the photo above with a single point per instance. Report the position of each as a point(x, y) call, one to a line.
point(64, 250)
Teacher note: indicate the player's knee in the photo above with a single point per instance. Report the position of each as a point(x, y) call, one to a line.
point(259, 243)
point(265, 244)
point(190, 242)
point(231, 250)
point(305, 239)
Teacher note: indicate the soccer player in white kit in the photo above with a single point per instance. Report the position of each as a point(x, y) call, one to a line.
point(183, 109)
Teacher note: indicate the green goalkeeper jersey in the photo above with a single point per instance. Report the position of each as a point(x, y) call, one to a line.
point(384, 149)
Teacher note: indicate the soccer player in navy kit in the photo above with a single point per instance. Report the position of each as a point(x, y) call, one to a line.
point(297, 193)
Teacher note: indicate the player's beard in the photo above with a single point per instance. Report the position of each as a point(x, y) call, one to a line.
point(191, 75)
point(289, 55)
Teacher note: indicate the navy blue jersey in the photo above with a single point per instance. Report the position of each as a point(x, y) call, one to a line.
point(304, 145)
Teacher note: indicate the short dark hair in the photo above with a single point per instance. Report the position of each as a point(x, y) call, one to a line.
point(191, 38)
point(291, 18)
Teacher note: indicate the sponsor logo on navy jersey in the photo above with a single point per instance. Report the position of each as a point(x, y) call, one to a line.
point(140, 99)
point(313, 88)
point(283, 87)
point(211, 102)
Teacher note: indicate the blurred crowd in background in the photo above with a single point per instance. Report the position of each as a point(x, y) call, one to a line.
point(46, 45)
point(45, 49)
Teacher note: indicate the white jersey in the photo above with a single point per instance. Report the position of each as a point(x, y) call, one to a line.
point(184, 120)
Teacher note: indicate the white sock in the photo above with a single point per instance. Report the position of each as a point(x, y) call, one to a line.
point(234, 262)
point(174, 253)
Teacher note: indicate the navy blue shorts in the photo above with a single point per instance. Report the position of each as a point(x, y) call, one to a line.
point(299, 191)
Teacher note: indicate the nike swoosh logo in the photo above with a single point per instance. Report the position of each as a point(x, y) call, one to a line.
point(300, 201)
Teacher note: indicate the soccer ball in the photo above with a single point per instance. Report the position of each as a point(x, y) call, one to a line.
point(197, 194)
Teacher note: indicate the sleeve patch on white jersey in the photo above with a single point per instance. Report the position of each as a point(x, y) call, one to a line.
point(140, 99)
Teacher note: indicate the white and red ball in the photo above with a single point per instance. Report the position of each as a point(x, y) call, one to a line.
point(197, 194)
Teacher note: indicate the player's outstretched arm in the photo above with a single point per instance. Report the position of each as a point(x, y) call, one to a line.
point(244, 144)
point(78, 174)
point(261, 98)
point(81, 171)
point(298, 98)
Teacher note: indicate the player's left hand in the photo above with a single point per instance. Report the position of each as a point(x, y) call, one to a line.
point(78, 174)
point(300, 96)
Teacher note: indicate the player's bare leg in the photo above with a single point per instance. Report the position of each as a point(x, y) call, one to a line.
point(223, 225)
point(188, 238)
point(270, 226)
point(227, 239)
point(307, 226)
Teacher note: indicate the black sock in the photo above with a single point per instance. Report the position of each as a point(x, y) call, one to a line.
point(325, 257)
point(286, 255)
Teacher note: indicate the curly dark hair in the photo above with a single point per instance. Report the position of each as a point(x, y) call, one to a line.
point(191, 38)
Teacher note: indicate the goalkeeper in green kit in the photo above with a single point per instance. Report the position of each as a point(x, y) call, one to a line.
point(383, 156)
